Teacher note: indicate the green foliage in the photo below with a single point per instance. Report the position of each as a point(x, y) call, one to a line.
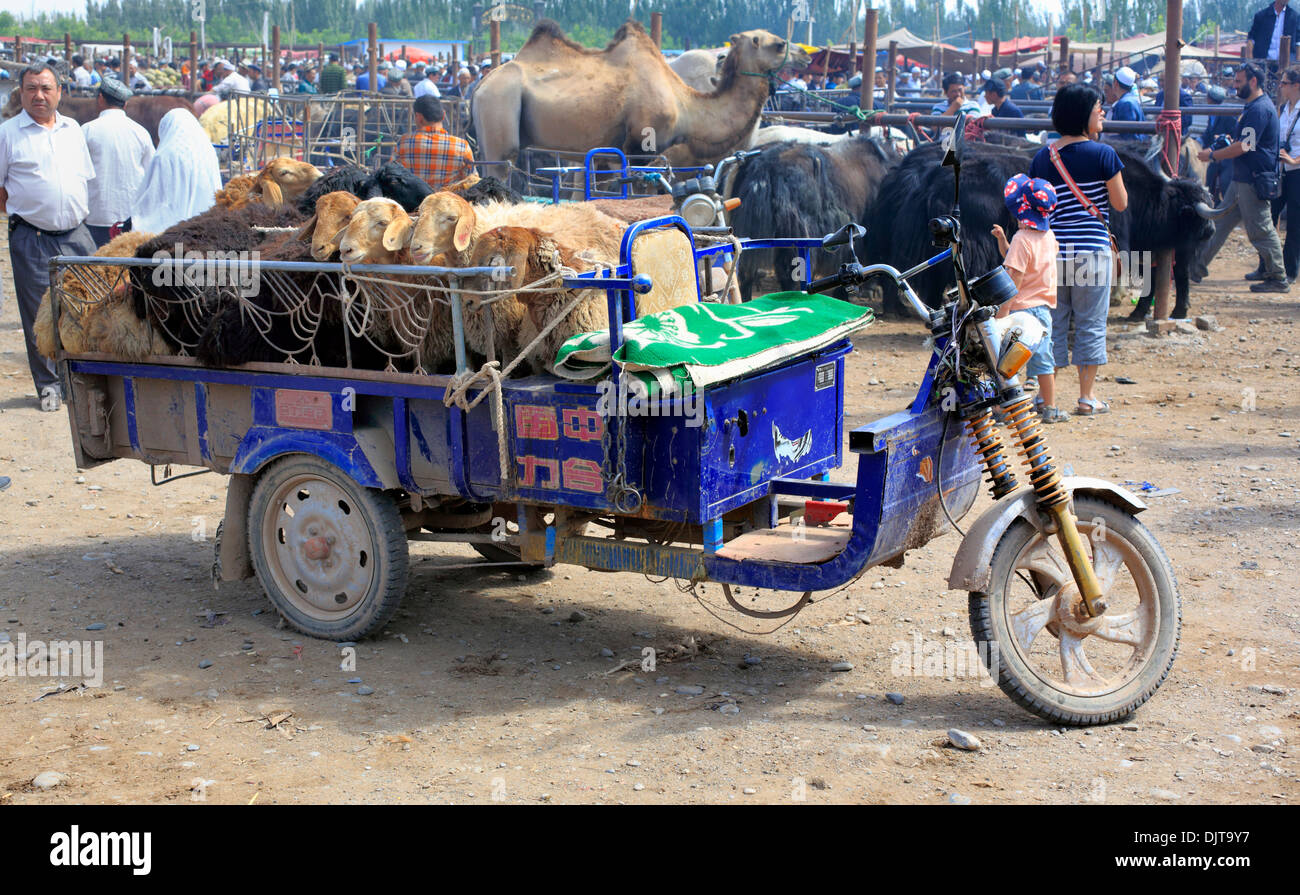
point(593, 22)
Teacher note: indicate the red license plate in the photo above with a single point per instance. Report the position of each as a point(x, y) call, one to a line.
point(296, 409)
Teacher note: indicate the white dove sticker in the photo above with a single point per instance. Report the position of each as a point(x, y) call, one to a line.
point(791, 449)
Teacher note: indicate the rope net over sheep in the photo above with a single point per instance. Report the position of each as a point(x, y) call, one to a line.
point(395, 318)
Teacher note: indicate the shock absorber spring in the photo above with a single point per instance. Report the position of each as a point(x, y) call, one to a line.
point(1045, 478)
point(988, 444)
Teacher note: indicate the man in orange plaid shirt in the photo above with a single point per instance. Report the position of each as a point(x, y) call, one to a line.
point(436, 157)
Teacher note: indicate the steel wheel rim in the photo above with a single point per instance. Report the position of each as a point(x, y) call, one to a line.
point(319, 548)
point(1132, 623)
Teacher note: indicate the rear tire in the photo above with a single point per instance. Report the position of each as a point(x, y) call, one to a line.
point(1134, 643)
point(330, 554)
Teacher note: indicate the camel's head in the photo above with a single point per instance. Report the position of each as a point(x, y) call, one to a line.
point(763, 51)
point(445, 224)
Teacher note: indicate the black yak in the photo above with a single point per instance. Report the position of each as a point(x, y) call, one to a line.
point(1162, 215)
point(803, 190)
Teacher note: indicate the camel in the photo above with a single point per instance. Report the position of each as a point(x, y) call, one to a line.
point(560, 95)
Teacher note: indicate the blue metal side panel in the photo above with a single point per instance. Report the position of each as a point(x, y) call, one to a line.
point(896, 507)
point(263, 444)
point(132, 428)
point(201, 413)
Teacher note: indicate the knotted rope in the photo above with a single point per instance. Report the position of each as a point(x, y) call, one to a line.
point(1169, 127)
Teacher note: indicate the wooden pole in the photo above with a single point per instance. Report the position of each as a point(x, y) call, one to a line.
point(320, 54)
point(1216, 41)
point(997, 46)
point(494, 45)
point(67, 46)
point(1284, 51)
point(657, 28)
point(18, 48)
point(194, 60)
point(891, 74)
point(1173, 54)
point(1097, 76)
point(1066, 60)
point(372, 34)
point(275, 56)
point(1051, 39)
point(867, 92)
point(936, 57)
point(126, 53)
point(455, 61)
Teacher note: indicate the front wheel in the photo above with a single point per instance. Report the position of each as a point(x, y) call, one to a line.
point(1047, 655)
point(331, 554)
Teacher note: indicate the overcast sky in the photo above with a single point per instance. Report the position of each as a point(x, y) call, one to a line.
point(27, 7)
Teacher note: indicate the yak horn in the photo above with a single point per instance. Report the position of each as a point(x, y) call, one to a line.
point(1210, 214)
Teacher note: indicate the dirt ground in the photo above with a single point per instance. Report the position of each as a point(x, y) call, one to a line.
point(488, 687)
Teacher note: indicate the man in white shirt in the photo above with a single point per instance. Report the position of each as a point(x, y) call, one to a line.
point(134, 79)
point(120, 150)
point(426, 87)
point(81, 72)
point(44, 171)
point(231, 81)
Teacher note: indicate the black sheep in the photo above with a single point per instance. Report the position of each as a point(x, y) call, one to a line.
point(347, 178)
point(161, 294)
point(395, 181)
point(489, 189)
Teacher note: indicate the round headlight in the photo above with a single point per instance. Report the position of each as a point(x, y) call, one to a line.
point(699, 211)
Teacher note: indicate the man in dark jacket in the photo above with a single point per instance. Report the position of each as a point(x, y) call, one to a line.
point(1270, 25)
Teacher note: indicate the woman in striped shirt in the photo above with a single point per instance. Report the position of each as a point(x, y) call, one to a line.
point(1084, 277)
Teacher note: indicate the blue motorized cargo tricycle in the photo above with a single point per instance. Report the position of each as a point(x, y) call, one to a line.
point(332, 471)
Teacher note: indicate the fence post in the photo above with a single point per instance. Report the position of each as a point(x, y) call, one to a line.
point(194, 61)
point(997, 46)
point(657, 29)
point(867, 95)
point(275, 56)
point(126, 52)
point(891, 74)
point(372, 31)
point(494, 45)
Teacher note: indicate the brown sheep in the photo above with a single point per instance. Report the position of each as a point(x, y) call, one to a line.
point(534, 255)
point(79, 310)
point(326, 227)
point(238, 192)
point(378, 233)
point(283, 180)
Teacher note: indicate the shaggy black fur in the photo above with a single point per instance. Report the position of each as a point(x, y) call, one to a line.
point(1161, 215)
point(348, 179)
point(802, 190)
point(489, 189)
point(227, 230)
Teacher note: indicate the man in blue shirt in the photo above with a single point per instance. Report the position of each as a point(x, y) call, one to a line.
point(1254, 152)
point(995, 94)
point(1028, 88)
point(1126, 105)
point(1219, 173)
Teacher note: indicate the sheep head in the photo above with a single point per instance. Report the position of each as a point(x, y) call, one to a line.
point(531, 253)
point(376, 233)
point(324, 229)
point(285, 179)
point(445, 225)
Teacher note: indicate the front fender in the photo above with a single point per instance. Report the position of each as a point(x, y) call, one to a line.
point(970, 567)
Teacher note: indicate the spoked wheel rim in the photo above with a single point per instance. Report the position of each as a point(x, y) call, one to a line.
point(1054, 638)
point(320, 549)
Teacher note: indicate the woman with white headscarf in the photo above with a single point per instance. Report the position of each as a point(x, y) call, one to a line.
point(183, 178)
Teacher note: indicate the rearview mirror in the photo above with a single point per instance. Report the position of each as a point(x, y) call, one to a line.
point(955, 143)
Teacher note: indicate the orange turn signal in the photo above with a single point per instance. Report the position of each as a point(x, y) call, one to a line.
point(1013, 360)
point(731, 204)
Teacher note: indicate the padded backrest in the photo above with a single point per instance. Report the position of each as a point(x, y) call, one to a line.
point(668, 258)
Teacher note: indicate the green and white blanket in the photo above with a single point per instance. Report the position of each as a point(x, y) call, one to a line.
point(695, 345)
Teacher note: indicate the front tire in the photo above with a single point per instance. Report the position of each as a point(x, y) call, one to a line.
point(1030, 634)
point(331, 554)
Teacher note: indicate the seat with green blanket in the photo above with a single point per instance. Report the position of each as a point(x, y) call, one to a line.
point(688, 347)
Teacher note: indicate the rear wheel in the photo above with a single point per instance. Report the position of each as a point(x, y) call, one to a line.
point(1052, 659)
point(331, 554)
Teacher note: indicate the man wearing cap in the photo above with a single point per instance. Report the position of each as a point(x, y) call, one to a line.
point(1125, 103)
point(44, 172)
point(307, 80)
point(995, 94)
point(1270, 25)
point(257, 83)
point(396, 85)
point(1066, 78)
point(134, 79)
point(426, 86)
point(120, 151)
point(1253, 152)
point(333, 77)
point(231, 80)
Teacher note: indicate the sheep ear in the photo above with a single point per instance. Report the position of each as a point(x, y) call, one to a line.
point(307, 229)
point(337, 239)
point(547, 254)
point(464, 229)
point(398, 233)
point(271, 194)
